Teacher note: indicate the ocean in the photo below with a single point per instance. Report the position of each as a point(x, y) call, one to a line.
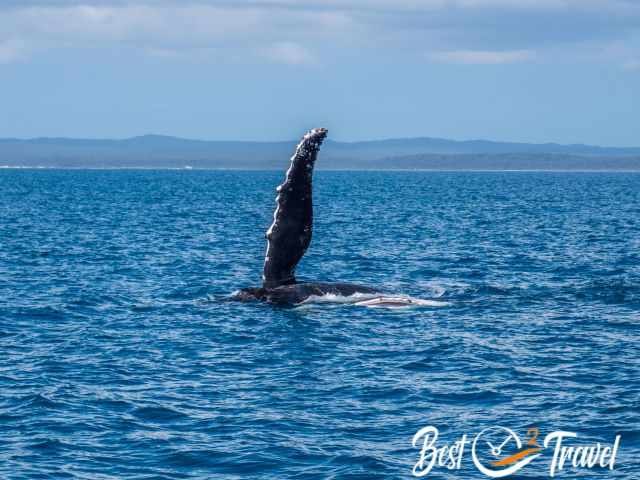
point(122, 355)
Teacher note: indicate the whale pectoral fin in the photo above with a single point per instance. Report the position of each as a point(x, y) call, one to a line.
point(289, 235)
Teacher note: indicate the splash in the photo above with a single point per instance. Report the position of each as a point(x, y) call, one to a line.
point(374, 301)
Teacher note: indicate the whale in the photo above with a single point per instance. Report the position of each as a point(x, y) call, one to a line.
point(289, 237)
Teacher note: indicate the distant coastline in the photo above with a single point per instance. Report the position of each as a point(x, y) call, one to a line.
point(430, 154)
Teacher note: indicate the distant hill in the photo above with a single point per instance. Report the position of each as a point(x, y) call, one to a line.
point(157, 151)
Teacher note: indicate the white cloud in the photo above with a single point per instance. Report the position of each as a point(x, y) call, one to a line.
point(298, 32)
point(289, 53)
point(169, 30)
point(482, 57)
point(632, 65)
point(137, 24)
point(11, 50)
point(443, 4)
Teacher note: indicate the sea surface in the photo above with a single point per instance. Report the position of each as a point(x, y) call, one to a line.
point(123, 357)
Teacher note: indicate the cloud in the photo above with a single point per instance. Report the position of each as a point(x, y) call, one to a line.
point(11, 50)
point(134, 24)
point(289, 53)
point(481, 57)
point(300, 32)
point(632, 65)
point(168, 29)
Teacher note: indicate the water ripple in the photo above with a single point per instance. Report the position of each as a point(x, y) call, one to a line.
point(123, 357)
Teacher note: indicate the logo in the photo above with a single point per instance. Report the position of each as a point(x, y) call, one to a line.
point(499, 451)
point(494, 441)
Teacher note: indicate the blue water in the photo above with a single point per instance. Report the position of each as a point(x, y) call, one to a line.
point(121, 355)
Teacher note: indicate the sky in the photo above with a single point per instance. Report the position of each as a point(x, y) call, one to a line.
point(564, 71)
